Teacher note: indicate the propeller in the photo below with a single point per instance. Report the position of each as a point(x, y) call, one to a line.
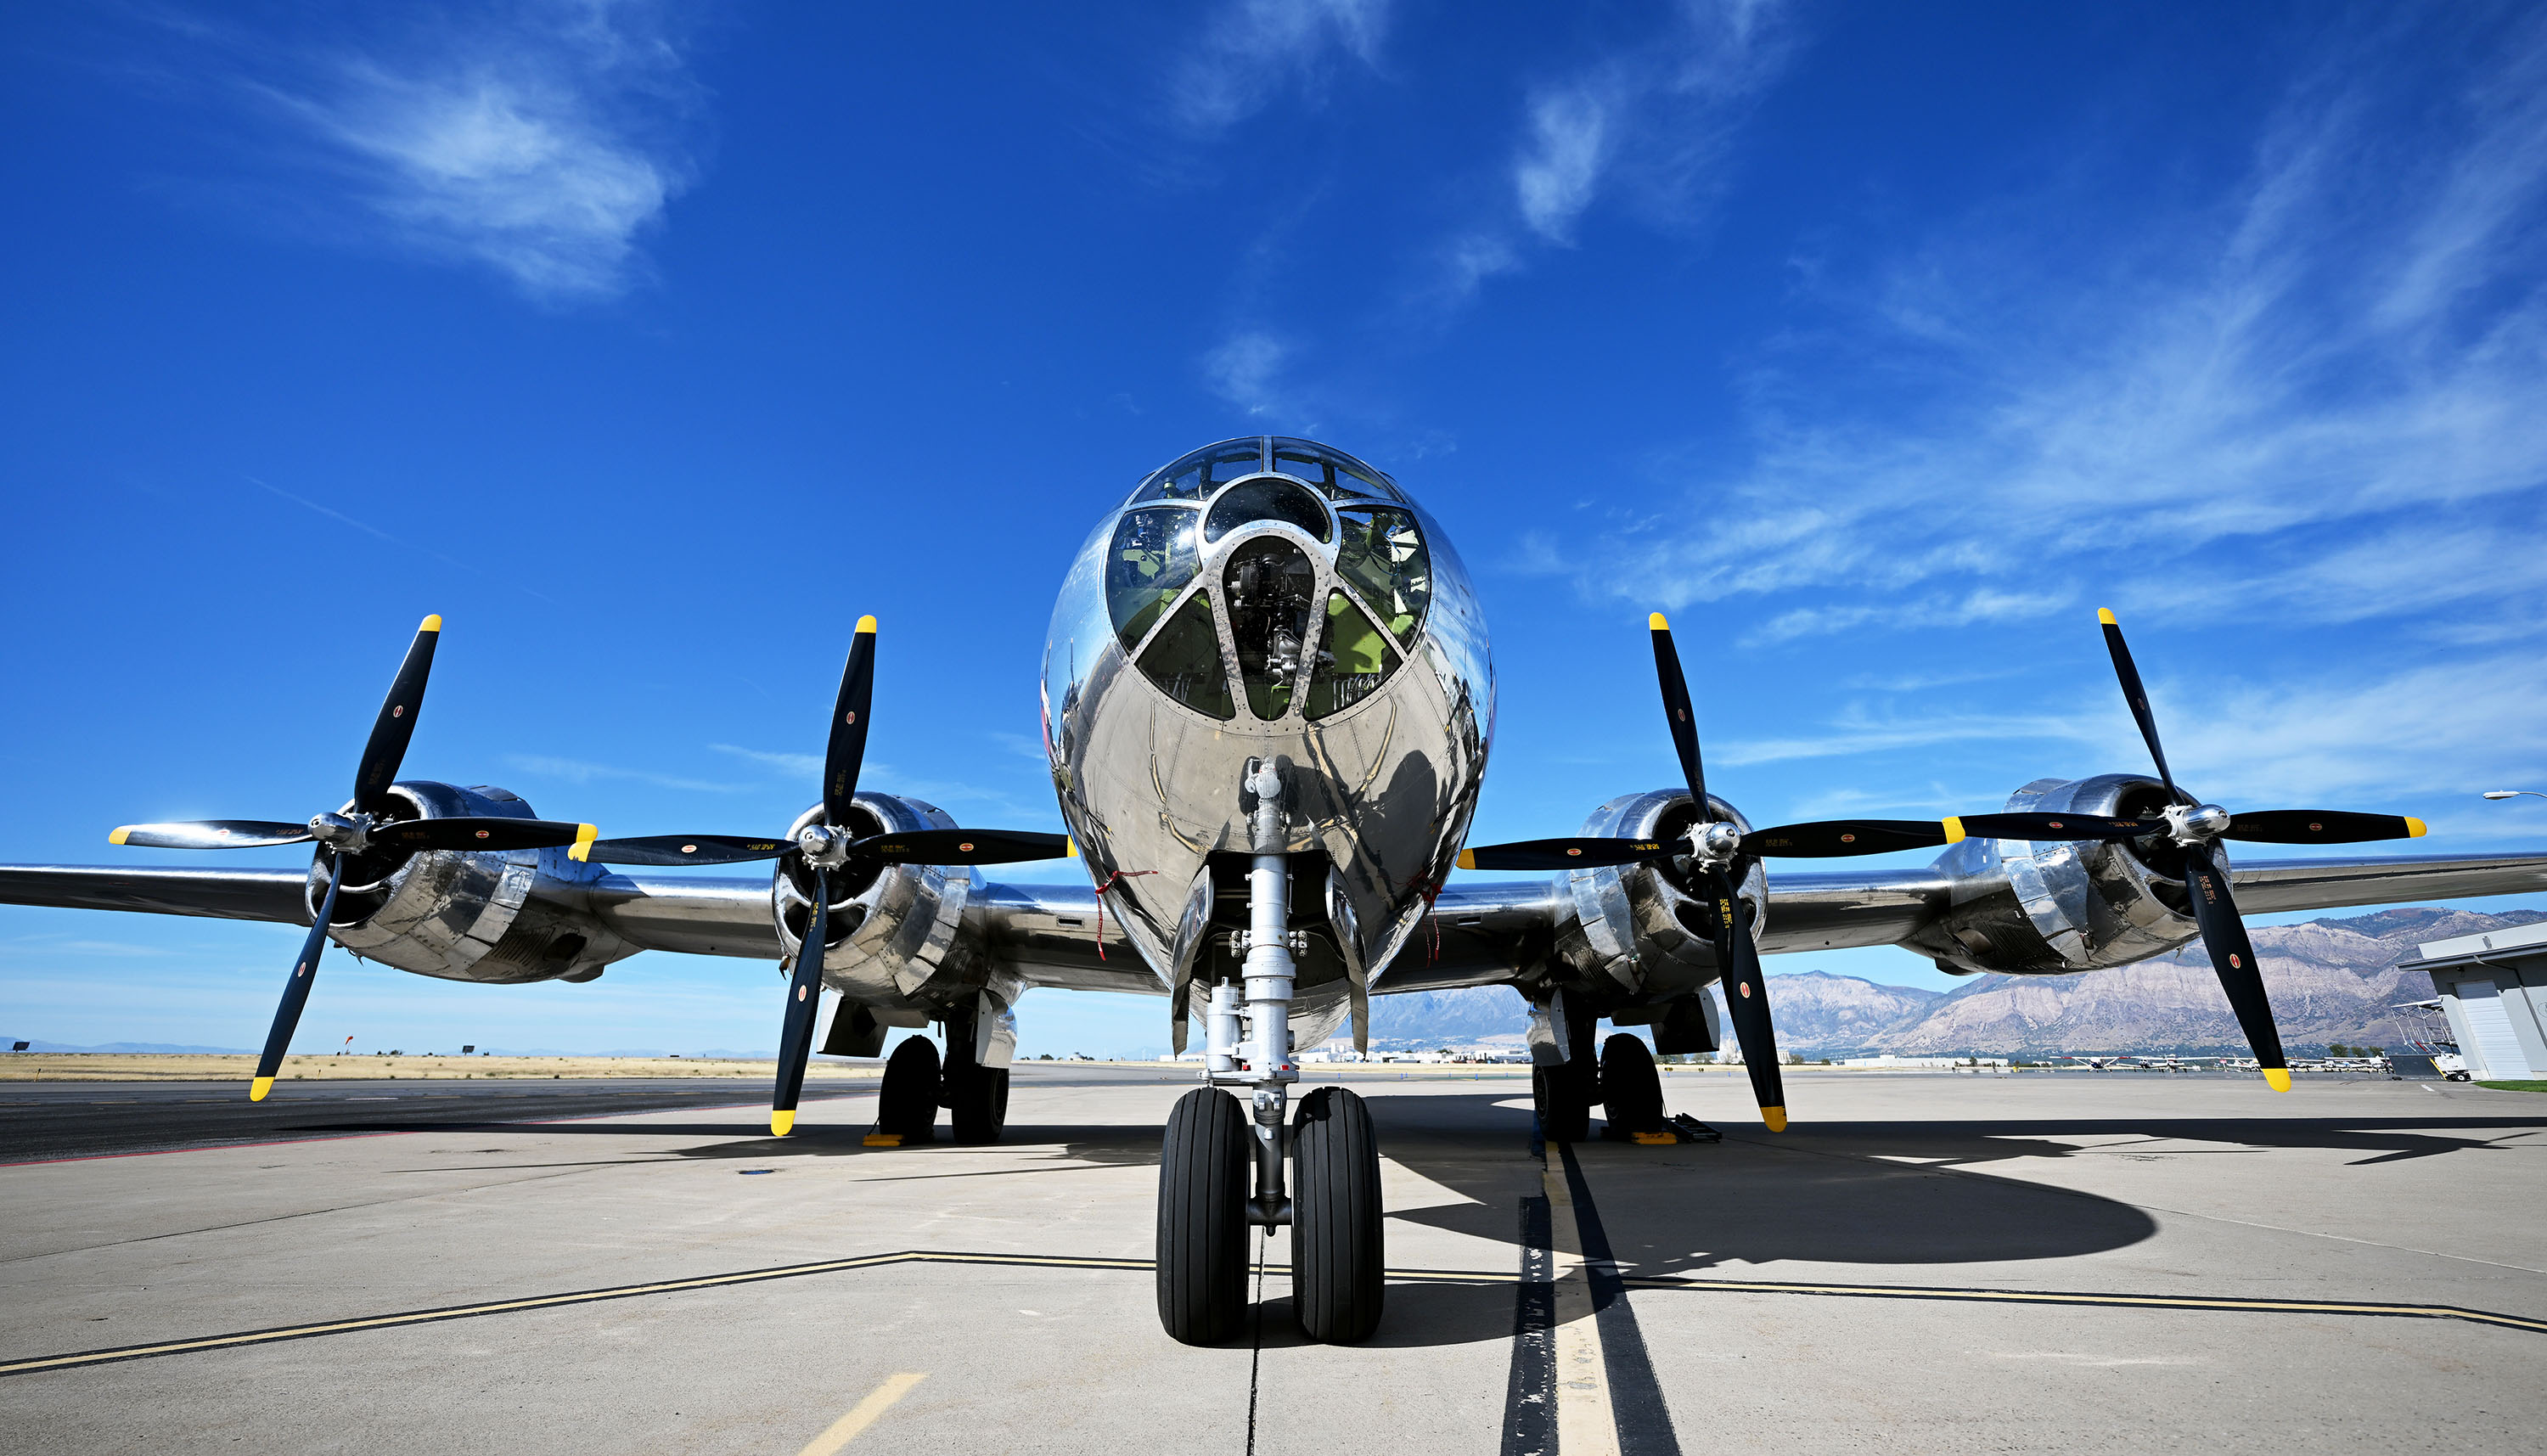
point(364, 827)
point(1714, 849)
point(2190, 847)
point(825, 849)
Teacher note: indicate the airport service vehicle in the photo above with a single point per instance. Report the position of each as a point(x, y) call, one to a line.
point(1267, 704)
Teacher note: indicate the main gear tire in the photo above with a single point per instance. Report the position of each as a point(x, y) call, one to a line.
point(1206, 1162)
point(1338, 1262)
point(1632, 1091)
point(907, 1103)
point(1563, 1101)
point(977, 1102)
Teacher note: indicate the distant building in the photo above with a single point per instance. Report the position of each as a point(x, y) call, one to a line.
point(2493, 991)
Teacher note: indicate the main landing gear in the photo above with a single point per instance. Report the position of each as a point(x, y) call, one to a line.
point(916, 1082)
point(1623, 1083)
point(1212, 1144)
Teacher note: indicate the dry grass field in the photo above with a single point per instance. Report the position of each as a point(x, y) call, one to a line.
point(124, 1066)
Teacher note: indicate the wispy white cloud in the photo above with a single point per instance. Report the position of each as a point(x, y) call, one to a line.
point(1650, 122)
point(1246, 370)
point(578, 771)
point(2337, 371)
point(806, 766)
point(539, 137)
point(1250, 50)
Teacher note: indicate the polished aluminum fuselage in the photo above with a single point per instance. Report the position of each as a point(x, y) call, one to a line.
point(1383, 788)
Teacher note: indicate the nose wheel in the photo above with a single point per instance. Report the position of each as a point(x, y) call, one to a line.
point(1337, 1259)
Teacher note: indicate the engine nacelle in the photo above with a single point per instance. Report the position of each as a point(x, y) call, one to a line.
point(467, 915)
point(1650, 927)
point(2044, 907)
point(892, 930)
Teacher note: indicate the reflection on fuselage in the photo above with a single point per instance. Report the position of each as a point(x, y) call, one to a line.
point(1269, 598)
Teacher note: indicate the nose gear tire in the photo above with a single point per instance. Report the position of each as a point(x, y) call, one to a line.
point(1631, 1090)
point(907, 1103)
point(1205, 1164)
point(1339, 1264)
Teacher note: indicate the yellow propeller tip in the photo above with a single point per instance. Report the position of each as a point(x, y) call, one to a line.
point(2106, 616)
point(2414, 828)
point(584, 835)
point(431, 623)
point(119, 836)
point(781, 1123)
point(1657, 621)
point(1070, 849)
point(2278, 1078)
point(1775, 1117)
point(1954, 830)
point(257, 1089)
point(1467, 859)
point(867, 625)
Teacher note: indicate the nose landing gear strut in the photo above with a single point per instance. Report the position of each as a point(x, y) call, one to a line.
point(1211, 1145)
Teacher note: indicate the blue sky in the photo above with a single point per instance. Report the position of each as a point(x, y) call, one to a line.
point(653, 344)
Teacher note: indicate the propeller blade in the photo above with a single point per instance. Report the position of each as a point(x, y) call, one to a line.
point(2048, 827)
point(1676, 708)
point(211, 835)
point(804, 998)
point(2321, 826)
point(483, 832)
point(2138, 697)
point(296, 991)
point(2232, 954)
point(1565, 854)
point(962, 847)
point(397, 722)
point(1746, 997)
point(849, 743)
point(680, 849)
point(1833, 839)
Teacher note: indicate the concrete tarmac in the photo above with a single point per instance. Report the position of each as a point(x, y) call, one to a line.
point(1920, 1264)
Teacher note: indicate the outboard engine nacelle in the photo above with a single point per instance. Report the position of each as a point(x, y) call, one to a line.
point(891, 929)
point(467, 916)
point(2050, 907)
point(1650, 927)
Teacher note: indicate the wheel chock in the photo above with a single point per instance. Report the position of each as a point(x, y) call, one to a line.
point(884, 1139)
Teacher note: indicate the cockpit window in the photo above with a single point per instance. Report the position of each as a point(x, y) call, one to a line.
point(1266, 498)
point(1336, 480)
point(1205, 471)
point(1183, 660)
point(1354, 659)
point(1272, 588)
point(1384, 558)
point(1153, 556)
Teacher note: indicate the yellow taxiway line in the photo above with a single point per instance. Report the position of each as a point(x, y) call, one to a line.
point(862, 1414)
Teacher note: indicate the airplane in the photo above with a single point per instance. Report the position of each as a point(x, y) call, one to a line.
point(1267, 704)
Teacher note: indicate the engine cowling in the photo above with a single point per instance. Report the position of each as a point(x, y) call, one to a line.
point(1649, 927)
point(495, 917)
point(2042, 908)
point(892, 930)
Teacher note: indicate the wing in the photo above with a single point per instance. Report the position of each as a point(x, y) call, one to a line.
point(2326, 884)
point(278, 895)
point(1047, 935)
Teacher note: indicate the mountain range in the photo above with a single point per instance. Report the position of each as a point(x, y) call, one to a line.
point(2331, 979)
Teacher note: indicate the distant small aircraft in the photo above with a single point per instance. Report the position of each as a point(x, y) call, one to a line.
point(1267, 703)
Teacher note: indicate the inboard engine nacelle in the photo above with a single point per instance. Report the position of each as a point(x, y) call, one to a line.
point(891, 928)
point(2047, 907)
point(499, 918)
point(1650, 926)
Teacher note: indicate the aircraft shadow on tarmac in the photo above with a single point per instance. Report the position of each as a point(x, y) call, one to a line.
point(1857, 1193)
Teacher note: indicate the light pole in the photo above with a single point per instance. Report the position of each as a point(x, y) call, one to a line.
point(2513, 793)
